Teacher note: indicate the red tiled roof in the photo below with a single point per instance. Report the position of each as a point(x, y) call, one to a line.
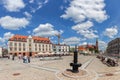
point(90, 46)
point(85, 47)
point(24, 38)
point(81, 48)
point(40, 38)
point(18, 37)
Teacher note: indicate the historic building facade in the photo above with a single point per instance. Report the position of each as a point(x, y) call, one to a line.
point(113, 48)
point(89, 49)
point(61, 48)
point(30, 45)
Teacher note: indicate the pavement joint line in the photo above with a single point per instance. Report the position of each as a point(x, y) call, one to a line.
point(43, 68)
point(97, 76)
point(86, 63)
point(38, 67)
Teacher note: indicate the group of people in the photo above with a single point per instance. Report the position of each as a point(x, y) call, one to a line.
point(108, 61)
point(25, 58)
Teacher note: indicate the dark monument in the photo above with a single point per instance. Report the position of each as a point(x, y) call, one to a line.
point(75, 73)
point(75, 65)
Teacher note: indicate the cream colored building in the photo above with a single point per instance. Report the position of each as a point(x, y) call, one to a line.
point(33, 45)
point(28, 45)
point(61, 48)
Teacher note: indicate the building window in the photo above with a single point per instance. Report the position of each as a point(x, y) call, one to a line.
point(59, 50)
point(29, 40)
point(10, 43)
point(19, 49)
point(54, 49)
point(19, 44)
point(39, 49)
point(15, 49)
point(10, 49)
point(30, 49)
point(15, 44)
point(35, 45)
point(23, 49)
point(23, 44)
point(29, 45)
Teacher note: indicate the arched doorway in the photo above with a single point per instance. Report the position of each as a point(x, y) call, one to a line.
point(15, 54)
point(23, 54)
point(30, 54)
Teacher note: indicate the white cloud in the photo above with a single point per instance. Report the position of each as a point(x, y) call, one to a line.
point(28, 32)
point(84, 30)
point(83, 26)
point(41, 4)
point(102, 45)
point(80, 10)
point(38, 5)
point(28, 15)
point(65, 1)
point(72, 40)
point(2, 40)
point(84, 43)
point(8, 35)
point(13, 5)
point(13, 23)
point(46, 30)
point(61, 7)
point(111, 32)
point(46, 1)
point(61, 32)
point(33, 10)
point(84, 12)
point(31, 1)
point(88, 34)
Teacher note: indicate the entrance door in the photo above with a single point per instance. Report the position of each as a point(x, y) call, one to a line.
point(15, 54)
point(23, 54)
point(30, 54)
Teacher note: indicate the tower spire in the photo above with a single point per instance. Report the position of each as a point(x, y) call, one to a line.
point(97, 44)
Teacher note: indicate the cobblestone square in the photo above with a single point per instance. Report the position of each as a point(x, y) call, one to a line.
point(47, 69)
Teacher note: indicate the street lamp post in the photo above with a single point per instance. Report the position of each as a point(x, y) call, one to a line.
point(74, 64)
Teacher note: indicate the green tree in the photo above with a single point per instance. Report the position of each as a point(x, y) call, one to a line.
point(96, 51)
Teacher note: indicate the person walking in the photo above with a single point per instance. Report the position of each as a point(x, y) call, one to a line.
point(28, 59)
point(24, 58)
point(13, 57)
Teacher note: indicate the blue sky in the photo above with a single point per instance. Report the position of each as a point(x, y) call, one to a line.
point(77, 21)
